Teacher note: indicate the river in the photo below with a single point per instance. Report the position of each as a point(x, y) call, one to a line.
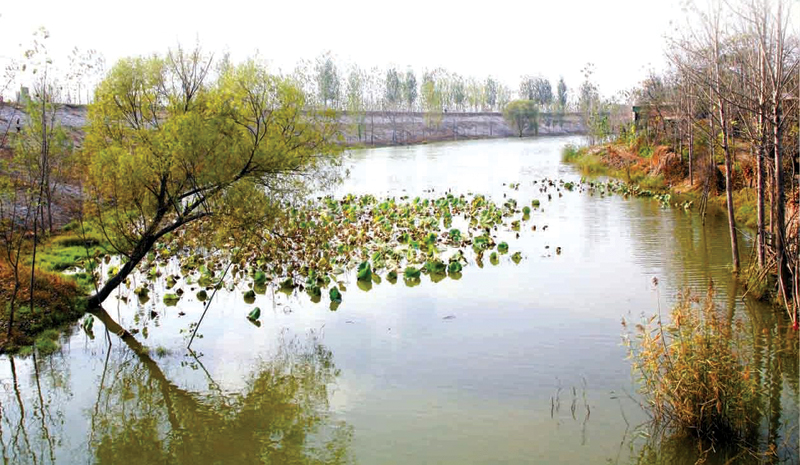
point(514, 363)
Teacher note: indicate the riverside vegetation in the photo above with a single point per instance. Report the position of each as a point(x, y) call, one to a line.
point(207, 177)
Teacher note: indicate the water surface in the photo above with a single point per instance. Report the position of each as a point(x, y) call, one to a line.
point(515, 363)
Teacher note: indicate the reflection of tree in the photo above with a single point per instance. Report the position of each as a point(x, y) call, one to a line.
point(29, 426)
point(281, 417)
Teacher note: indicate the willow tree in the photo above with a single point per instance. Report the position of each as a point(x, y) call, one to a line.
point(169, 146)
point(522, 115)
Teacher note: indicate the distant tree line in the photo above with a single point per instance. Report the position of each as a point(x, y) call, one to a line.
point(356, 89)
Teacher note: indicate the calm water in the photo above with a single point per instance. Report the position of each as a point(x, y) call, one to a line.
point(510, 364)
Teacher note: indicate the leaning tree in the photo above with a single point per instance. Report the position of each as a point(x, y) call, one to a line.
point(172, 143)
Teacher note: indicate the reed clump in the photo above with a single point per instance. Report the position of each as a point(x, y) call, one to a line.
point(694, 372)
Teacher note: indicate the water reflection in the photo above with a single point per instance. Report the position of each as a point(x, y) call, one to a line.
point(139, 414)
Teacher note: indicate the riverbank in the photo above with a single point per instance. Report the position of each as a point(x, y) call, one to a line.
point(655, 169)
point(63, 278)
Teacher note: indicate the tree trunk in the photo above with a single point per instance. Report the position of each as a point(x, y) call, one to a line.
point(779, 200)
point(691, 149)
point(761, 241)
point(729, 189)
point(144, 246)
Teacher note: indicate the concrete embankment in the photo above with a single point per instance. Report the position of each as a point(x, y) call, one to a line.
point(370, 128)
point(391, 128)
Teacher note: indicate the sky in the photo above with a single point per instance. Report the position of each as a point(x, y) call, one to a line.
point(503, 38)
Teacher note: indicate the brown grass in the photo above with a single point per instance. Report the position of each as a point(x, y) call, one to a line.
point(693, 373)
point(56, 301)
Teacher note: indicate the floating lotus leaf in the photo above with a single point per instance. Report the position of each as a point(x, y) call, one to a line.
point(535, 203)
point(502, 247)
point(454, 267)
point(260, 278)
point(430, 238)
point(392, 276)
point(435, 267)
point(411, 272)
point(315, 293)
point(494, 259)
point(141, 291)
point(249, 297)
point(365, 286)
point(411, 282)
point(517, 257)
point(335, 295)
point(526, 210)
point(171, 300)
point(202, 295)
point(254, 314)
point(88, 323)
point(364, 272)
point(569, 186)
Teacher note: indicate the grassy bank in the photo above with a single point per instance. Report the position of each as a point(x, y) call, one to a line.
point(659, 171)
point(611, 161)
point(63, 278)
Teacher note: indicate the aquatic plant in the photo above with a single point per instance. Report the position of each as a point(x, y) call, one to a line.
point(254, 314)
point(693, 372)
point(335, 295)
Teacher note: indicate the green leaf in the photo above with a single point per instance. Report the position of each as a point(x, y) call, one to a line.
point(364, 272)
point(335, 295)
point(260, 278)
point(411, 272)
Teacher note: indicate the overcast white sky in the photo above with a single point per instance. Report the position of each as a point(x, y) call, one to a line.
point(504, 38)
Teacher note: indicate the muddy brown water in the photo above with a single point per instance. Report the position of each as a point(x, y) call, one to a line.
point(514, 363)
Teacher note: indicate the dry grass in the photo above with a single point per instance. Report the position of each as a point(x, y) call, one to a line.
point(693, 375)
point(56, 301)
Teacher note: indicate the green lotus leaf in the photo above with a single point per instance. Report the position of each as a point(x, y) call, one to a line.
point(171, 300)
point(254, 314)
point(260, 277)
point(411, 272)
point(365, 286)
point(435, 266)
point(364, 272)
point(335, 295)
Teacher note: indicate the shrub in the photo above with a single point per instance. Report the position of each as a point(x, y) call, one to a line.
point(56, 301)
point(692, 374)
